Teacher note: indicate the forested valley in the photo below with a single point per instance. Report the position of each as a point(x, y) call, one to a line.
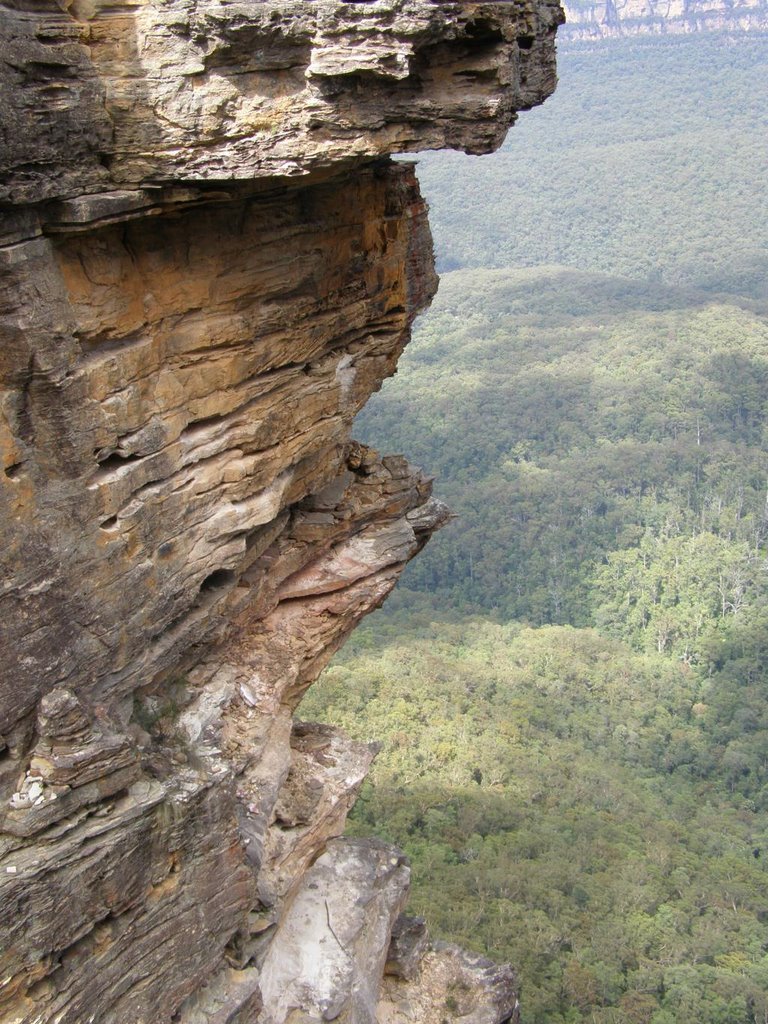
point(571, 683)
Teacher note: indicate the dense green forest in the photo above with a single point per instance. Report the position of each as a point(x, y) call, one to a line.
point(650, 161)
point(571, 417)
point(595, 815)
point(583, 653)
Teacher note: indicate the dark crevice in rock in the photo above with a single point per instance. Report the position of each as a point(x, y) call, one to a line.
point(217, 580)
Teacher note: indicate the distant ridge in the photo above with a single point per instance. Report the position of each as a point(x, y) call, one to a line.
point(592, 20)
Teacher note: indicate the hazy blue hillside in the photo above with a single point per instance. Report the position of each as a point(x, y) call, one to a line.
point(612, 19)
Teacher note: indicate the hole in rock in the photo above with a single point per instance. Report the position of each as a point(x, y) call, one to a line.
point(202, 425)
point(525, 42)
point(216, 580)
point(109, 463)
point(485, 74)
point(15, 471)
point(484, 31)
point(108, 524)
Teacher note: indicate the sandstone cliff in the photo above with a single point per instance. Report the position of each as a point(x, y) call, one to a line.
point(207, 264)
point(610, 19)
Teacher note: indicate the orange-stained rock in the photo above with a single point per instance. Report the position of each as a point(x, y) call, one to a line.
point(192, 377)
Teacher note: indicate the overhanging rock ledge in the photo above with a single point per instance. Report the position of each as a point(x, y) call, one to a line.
point(207, 265)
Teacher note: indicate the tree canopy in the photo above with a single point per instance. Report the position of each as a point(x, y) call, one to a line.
point(572, 681)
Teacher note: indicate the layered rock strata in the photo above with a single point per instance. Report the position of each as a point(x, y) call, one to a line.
point(207, 264)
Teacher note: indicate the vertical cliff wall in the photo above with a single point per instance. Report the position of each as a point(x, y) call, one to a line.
point(207, 264)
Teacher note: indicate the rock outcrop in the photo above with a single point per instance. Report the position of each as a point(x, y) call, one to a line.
point(207, 264)
point(611, 19)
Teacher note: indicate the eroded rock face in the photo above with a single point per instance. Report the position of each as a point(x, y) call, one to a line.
point(207, 264)
point(129, 93)
point(183, 380)
point(327, 957)
point(450, 984)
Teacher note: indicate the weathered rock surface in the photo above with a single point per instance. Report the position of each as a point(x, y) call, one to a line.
point(407, 947)
point(327, 957)
point(124, 94)
point(173, 384)
point(451, 984)
point(207, 264)
point(75, 762)
point(610, 19)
